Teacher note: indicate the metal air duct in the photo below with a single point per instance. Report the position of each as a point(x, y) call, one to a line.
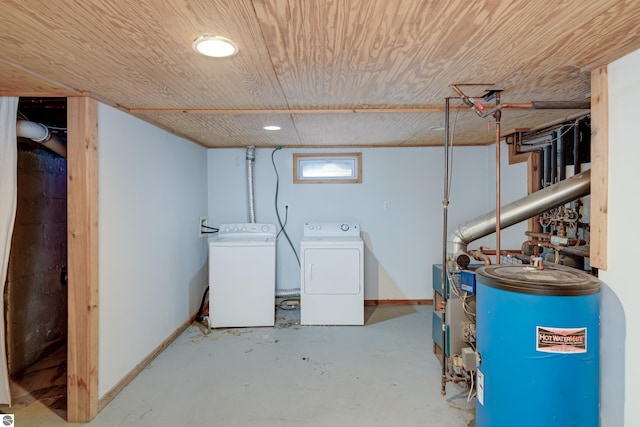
point(541, 201)
point(251, 159)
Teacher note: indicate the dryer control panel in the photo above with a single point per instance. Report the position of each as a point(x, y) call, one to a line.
point(331, 229)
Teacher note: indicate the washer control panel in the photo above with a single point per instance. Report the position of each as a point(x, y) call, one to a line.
point(331, 229)
point(247, 229)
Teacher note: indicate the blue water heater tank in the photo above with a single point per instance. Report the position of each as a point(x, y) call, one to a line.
point(538, 338)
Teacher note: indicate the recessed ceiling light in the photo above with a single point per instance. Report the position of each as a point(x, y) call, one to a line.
point(215, 46)
point(272, 127)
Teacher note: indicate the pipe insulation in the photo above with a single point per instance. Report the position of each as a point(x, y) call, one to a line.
point(41, 134)
point(251, 159)
point(536, 105)
point(541, 201)
point(561, 105)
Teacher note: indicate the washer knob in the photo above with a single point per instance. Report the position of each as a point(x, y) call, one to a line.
point(265, 228)
point(344, 227)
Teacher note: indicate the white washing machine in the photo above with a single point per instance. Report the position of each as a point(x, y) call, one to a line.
point(242, 276)
point(332, 274)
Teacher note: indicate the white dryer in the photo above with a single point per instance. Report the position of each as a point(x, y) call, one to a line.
point(332, 274)
point(242, 275)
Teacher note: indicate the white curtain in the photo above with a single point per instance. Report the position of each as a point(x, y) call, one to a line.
point(8, 191)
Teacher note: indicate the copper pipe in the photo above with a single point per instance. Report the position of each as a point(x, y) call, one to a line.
point(539, 105)
point(504, 251)
point(445, 207)
point(508, 106)
point(497, 116)
point(478, 255)
point(471, 102)
point(545, 243)
point(538, 235)
point(548, 244)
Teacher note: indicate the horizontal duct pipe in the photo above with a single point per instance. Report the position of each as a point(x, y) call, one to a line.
point(538, 105)
point(541, 201)
point(41, 134)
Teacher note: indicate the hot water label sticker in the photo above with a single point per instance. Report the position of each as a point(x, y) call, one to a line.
point(561, 340)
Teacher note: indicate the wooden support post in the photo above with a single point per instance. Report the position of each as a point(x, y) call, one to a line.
point(82, 212)
point(599, 166)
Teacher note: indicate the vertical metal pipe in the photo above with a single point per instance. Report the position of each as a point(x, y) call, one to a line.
point(497, 116)
point(251, 158)
point(547, 173)
point(541, 171)
point(554, 157)
point(547, 166)
point(445, 207)
point(561, 162)
point(576, 143)
point(541, 180)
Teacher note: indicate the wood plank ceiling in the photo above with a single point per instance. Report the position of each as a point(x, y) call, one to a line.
point(330, 73)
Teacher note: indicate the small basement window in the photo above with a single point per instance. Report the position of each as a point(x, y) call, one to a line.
point(332, 168)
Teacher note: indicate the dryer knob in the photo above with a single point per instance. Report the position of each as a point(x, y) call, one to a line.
point(265, 228)
point(344, 227)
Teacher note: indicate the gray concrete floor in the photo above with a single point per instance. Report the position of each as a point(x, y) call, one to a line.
point(380, 374)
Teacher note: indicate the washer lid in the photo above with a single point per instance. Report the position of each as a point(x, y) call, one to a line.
point(553, 280)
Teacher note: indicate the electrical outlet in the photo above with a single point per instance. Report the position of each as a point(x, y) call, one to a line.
point(201, 226)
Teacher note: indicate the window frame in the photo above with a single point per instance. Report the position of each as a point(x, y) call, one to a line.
point(300, 157)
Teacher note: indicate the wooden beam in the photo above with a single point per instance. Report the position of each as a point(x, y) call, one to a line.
point(32, 94)
point(599, 165)
point(40, 76)
point(82, 206)
point(434, 109)
point(517, 157)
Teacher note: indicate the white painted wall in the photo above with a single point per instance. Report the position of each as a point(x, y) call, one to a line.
point(401, 242)
point(152, 191)
point(620, 316)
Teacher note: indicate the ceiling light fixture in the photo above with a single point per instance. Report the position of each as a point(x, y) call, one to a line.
point(272, 127)
point(215, 46)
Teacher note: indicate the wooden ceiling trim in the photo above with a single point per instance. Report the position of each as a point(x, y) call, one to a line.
point(207, 111)
point(16, 80)
point(290, 111)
